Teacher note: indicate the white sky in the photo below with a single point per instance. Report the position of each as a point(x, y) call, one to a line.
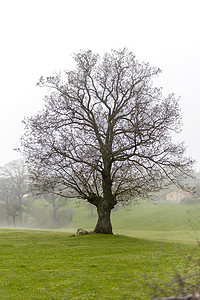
point(39, 36)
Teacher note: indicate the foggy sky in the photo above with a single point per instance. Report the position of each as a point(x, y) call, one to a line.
point(38, 37)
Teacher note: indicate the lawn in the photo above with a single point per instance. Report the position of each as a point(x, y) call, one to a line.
point(172, 222)
point(55, 265)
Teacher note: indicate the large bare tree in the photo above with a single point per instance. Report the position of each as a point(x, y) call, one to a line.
point(105, 133)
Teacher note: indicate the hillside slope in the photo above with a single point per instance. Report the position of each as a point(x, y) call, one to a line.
point(148, 220)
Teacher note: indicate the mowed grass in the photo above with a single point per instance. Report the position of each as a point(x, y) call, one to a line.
point(172, 222)
point(55, 265)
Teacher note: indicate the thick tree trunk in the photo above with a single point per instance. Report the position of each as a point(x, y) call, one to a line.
point(103, 223)
point(106, 203)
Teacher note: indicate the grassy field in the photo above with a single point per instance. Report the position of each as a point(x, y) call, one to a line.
point(54, 265)
point(172, 222)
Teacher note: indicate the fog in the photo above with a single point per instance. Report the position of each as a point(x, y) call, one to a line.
point(38, 37)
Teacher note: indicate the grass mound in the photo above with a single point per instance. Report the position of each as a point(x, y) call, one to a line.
point(178, 222)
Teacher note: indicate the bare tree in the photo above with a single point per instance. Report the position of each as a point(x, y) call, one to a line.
point(104, 134)
point(9, 204)
point(13, 186)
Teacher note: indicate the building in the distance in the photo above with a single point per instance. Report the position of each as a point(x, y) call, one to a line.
point(177, 196)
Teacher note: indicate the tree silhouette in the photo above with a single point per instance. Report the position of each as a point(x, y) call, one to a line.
point(105, 133)
point(13, 186)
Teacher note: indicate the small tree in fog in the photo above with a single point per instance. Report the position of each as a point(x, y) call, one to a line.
point(13, 186)
point(55, 202)
point(104, 134)
point(8, 201)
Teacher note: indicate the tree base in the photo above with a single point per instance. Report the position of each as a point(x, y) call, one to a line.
point(102, 231)
point(103, 225)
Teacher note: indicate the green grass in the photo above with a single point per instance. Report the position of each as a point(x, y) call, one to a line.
point(54, 265)
point(175, 222)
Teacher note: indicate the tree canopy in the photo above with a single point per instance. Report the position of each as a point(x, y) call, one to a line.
point(105, 133)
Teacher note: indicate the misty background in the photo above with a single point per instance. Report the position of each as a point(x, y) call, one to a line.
point(38, 37)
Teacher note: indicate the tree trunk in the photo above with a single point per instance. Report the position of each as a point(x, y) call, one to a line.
point(7, 219)
point(20, 212)
point(7, 212)
point(104, 223)
point(106, 203)
point(54, 211)
point(14, 220)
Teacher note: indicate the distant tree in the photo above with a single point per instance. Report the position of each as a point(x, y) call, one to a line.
point(55, 202)
point(13, 186)
point(104, 134)
point(9, 204)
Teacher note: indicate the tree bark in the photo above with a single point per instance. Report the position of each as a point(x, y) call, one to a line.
point(106, 203)
point(103, 225)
